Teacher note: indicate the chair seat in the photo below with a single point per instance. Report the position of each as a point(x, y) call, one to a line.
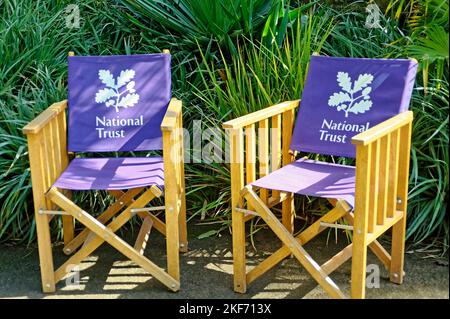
point(112, 173)
point(313, 178)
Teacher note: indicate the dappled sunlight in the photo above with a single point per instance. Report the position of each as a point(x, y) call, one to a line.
point(125, 275)
point(277, 290)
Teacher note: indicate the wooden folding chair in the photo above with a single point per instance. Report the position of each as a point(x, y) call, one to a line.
point(115, 104)
point(355, 108)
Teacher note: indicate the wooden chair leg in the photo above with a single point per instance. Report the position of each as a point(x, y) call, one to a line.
point(68, 225)
point(398, 251)
point(107, 234)
point(45, 252)
point(68, 229)
point(182, 215)
point(308, 234)
point(92, 241)
point(182, 224)
point(359, 261)
point(294, 246)
point(144, 233)
point(123, 199)
point(172, 240)
point(287, 212)
point(237, 218)
point(374, 246)
point(239, 256)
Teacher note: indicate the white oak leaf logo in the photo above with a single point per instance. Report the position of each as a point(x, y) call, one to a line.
point(120, 93)
point(354, 97)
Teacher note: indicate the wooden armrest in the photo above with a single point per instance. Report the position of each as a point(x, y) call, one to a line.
point(45, 117)
point(170, 119)
point(261, 115)
point(383, 128)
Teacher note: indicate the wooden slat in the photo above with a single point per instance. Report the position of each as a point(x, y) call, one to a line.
point(276, 142)
point(382, 129)
point(374, 176)
point(157, 223)
point(263, 152)
point(287, 127)
point(42, 220)
point(288, 207)
point(250, 155)
point(275, 147)
point(62, 163)
point(399, 229)
point(273, 201)
point(384, 179)
point(261, 115)
point(182, 216)
point(337, 260)
point(172, 202)
point(362, 190)
point(47, 149)
point(56, 146)
point(144, 233)
point(393, 173)
point(238, 223)
point(62, 132)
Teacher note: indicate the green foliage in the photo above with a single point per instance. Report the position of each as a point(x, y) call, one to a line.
point(281, 20)
point(429, 179)
point(260, 76)
point(203, 20)
point(229, 58)
point(257, 77)
point(427, 21)
point(34, 42)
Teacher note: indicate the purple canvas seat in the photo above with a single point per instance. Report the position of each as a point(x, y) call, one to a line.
point(313, 178)
point(112, 173)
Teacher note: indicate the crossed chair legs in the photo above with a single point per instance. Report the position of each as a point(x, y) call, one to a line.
point(97, 232)
point(294, 246)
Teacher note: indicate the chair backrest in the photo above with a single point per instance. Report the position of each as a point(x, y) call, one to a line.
point(345, 96)
point(117, 103)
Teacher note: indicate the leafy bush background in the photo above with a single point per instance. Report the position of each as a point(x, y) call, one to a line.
point(254, 54)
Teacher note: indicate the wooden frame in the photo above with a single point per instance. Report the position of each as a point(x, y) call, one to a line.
point(48, 156)
point(382, 168)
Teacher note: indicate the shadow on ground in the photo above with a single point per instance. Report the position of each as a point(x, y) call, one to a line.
point(206, 272)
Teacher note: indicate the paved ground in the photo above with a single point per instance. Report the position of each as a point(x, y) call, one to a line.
point(206, 273)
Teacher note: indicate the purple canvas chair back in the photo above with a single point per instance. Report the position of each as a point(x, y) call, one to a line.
point(117, 103)
point(345, 96)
